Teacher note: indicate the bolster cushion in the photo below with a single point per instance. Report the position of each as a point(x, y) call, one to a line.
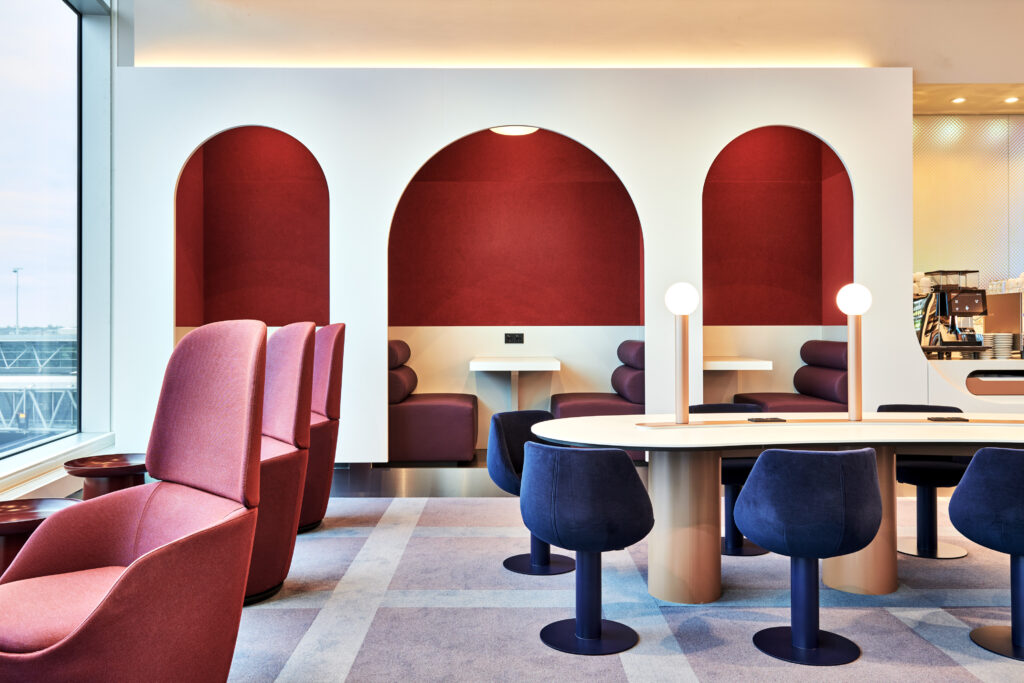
point(826, 383)
point(398, 353)
point(401, 382)
point(631, 353)
point(828, 354)
point(629, 383)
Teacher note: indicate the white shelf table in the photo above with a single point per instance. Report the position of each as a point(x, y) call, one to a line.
point(514, 365)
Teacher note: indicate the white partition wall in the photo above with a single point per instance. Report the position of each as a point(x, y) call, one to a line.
point(371, 129)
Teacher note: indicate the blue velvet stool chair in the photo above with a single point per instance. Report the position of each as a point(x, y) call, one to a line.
point(927, 473)
point(810, 505)
point(509, 434)
point(590, 500)
point(987, 508)
point(734, 474)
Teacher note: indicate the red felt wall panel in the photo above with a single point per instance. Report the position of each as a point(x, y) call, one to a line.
point(265, 249)
point(777, 231)
point(502, 230)
point(188, 244)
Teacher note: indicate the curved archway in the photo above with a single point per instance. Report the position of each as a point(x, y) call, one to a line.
point(777, 230)
point(528, 229)
point(252, 233)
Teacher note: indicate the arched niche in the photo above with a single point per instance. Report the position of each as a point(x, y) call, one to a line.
point(777, 231)
point(251, 231)
point(515, 230)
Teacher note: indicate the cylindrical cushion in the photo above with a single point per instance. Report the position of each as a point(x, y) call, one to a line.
point(811, 503)
point(398, 353)
point(509, 434)
point(432, 427)
point(401, 382)
point(282, 475)
point(629, 383)
point(588, 499)
point(987, 506)
point(826, 383)
point(631, 353)
point(826, 354)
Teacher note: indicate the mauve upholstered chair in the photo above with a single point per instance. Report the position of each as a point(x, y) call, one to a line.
point(505, 444)
point(734, 473)
point(324, 417)
point(590, 500)
point(820, 384)
point(146, 583)
point(283, 453)
point(927, 472)
point(810, 505)
point(987, 508)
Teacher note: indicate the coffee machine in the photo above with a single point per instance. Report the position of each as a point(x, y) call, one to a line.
point(949, 311)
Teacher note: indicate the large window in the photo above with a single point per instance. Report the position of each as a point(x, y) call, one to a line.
point(39, 223)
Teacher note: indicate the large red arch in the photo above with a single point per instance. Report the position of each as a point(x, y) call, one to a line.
point(515, 230)
point(252, 231)
point(777, 231)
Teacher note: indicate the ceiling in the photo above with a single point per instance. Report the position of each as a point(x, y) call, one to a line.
point(944, 41)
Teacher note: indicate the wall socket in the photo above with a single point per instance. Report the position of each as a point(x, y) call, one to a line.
point(513, 337)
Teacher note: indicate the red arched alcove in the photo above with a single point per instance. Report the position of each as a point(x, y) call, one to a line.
point(777, 231)
point(515, 230)
point(252, 231)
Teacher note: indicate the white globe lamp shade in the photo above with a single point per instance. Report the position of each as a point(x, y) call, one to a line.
point(682, 298)
point(854, 299)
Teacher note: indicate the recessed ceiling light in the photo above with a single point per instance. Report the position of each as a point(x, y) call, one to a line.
point(1011, 100)
point(959, 100)
point(514, 130)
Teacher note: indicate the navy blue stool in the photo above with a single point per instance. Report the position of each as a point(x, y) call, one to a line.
point(988, 509)
point(509, 434)
point(810, 505)
point(589, 500)
point(734, 474)
point(927, 473)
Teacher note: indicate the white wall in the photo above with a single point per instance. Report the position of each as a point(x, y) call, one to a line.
point(372, 129)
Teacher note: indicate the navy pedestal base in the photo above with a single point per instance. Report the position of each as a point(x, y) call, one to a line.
point(746, 548)
point(522, 564)
point(997, 639)
point(832, 649)
point(614, 637)
point(941, 551)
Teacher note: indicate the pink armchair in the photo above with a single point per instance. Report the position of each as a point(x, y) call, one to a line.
point(328, 355)
point(147, 582)
point(284, 450)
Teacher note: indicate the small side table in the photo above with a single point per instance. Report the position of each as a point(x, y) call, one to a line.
point(19, 518)
point(108, 473)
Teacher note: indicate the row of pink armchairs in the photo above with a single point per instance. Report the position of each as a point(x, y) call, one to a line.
point(148, 582)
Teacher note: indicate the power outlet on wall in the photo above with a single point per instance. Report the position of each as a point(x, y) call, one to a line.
point(513, 337)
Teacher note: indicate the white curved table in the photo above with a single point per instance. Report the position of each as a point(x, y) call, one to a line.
point(685, 563)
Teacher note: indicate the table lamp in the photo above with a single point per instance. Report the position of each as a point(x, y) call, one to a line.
point(682, 299)
point(854, 300)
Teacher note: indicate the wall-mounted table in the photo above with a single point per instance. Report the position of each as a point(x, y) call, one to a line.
point(685, 562)
point(736, 363)
point(514, 365)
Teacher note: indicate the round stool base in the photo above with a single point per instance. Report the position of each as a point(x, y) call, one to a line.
point(748, 549)
point(520, 564)
point(309, 527)
point(832, 650)
point(997, 639)
point(260, 597)
point(944, 551)
point(615, 637)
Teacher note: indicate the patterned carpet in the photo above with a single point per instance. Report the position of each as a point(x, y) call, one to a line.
point(412, 589)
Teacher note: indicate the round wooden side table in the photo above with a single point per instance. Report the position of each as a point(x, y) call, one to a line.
point(19, 518)
point(108, 473)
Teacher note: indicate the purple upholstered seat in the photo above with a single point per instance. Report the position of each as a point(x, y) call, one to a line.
point(148, 581)
point(426, 427)
point(284, 450)
point(328, 355)
point(627, 399)
point(821, 383)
